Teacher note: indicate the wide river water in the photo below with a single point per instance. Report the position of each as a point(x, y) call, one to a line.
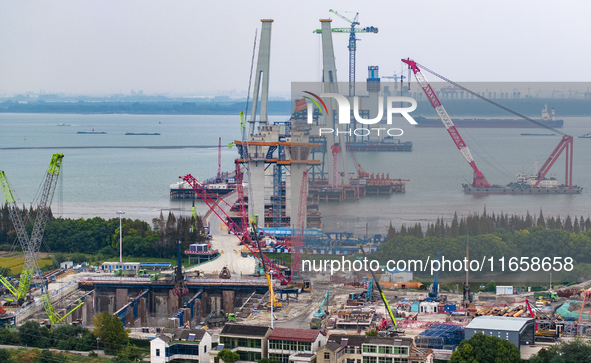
point(105, 173)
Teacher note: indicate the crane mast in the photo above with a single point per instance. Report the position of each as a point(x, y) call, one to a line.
point(30, 266)
point(479, 180)
point(49, 186)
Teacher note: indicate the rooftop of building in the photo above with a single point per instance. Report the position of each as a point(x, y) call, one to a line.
point(498, 323)
point(189, 335)
point(359, 340)
point(245, 330)
point(333, 346)
point(300, 335)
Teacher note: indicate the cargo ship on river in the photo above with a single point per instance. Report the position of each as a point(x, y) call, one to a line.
point(226, 184)
point(548, 119)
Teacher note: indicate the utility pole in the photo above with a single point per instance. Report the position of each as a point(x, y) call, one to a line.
point(120, 239)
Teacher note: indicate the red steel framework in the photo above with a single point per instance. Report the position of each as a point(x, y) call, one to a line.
point(566, 144)
point(209, 198)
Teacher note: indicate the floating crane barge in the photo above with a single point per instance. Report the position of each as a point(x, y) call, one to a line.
point(534, 184)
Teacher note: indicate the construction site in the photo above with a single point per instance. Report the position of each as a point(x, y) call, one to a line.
point(282, 174)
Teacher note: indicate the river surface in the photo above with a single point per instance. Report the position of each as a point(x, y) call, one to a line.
point(105, 173)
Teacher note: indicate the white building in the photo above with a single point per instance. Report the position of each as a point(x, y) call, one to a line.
point(185, 344)
point(396, 275)
point(295, 345)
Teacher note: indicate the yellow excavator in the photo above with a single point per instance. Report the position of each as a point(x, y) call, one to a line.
point(272, 300)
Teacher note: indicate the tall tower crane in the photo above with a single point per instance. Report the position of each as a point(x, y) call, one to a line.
point(352, 43)
point(479, 179)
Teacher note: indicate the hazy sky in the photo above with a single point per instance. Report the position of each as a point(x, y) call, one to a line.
point(108, 46)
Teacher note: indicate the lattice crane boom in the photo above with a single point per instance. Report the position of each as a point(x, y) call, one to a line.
point(479, 179)
point(49, 186)
point(207, 197)
point(30, 266)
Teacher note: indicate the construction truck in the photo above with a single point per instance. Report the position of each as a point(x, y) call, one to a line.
point(546, 295)
point(119, 272)
point(218, 318)
point(152, 274)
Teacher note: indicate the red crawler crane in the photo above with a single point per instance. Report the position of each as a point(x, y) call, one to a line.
point(566, 143)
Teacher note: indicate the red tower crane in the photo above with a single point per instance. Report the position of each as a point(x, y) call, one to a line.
point(479, 180)
point(219, 178)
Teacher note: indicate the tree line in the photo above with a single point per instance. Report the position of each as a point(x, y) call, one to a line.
point(496, 236)
point(485, 223)
point(101, 236)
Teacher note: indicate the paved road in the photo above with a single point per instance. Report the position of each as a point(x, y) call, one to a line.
point(229, 244)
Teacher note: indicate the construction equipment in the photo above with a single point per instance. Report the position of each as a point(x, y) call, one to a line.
point(208, 197)
point(54, 317)
point(321, 314)
point(272, 300)
point(179, 289)
point(434, 292)
point(549, 295)
point(565, 144)
point(336, 151)
point(30, 267)
point(352, 43)
point(218, 318)
point(468, 297)
point(219, 176)
point(479, 179)
point(361, 173)
point(541, 302)
point(392, 316)
point(31, 245)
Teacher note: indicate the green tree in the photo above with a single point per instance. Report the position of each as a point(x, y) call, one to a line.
point(8, 336)
point(371, 333)
point(228, 356)
point(491, 286)
point(110, 330)
point(47, 356)
point(486, 349)
point(32, 335)
point(577, 350)
point(5, 356)
point(131, 353)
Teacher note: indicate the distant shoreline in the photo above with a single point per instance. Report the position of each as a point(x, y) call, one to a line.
point(456, 107)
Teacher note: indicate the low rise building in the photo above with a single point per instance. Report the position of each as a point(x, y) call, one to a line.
point(185, 344)
point(364, 349)
point(295, 345)
point(518, 331)
point(332, 352)
point(249, 341)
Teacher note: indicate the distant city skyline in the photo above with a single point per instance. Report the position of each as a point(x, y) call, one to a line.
point(192, 47)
